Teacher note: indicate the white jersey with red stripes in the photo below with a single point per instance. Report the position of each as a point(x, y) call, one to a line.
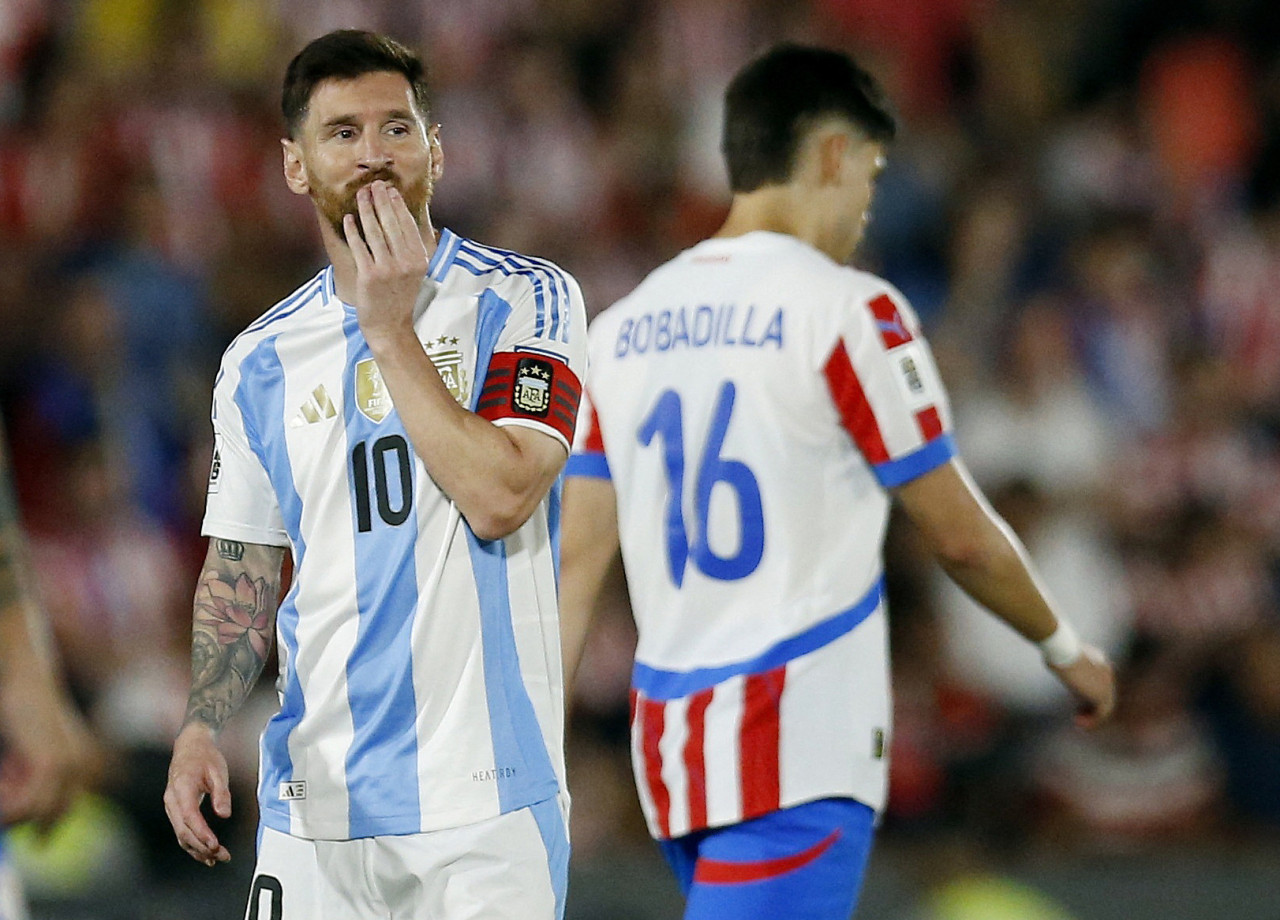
point(752, 401)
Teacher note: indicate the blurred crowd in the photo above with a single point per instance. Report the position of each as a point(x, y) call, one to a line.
point(1083, 206)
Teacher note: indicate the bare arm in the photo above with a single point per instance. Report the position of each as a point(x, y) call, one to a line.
point(495, 475)
point(589, 550)
point(234, 615)
point(982, 555)
point(48, 748)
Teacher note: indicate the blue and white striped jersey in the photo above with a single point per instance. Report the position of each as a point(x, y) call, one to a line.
point(420, 683)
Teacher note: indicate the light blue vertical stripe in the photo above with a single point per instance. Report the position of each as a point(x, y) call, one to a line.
point(553, 524)
point(491, 317)
point(555, 837)
point(525, 774)
point(382, 763)
point(524, 771)
point(260, 398)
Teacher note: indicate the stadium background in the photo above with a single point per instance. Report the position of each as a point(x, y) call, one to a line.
point(1084, 207)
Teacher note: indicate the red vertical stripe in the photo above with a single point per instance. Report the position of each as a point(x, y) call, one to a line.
point(930, 422)
point(652, 717)
point(694, 761)
point(758, 740)
point(595, 438)
point(855, 412)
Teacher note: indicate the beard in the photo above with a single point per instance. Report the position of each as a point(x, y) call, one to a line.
point(336, 202)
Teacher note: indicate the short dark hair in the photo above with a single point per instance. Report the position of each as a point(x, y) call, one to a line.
point(344, 55)
point(776, 98)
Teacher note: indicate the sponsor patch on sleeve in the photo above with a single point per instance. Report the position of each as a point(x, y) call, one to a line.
point(215, 467)
point(911, 368)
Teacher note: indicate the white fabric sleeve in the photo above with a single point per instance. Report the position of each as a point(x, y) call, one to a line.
point(886, 387)
point(534, 378)
point(241, 503)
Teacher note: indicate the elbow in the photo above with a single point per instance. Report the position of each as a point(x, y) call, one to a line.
point(492, 528)
point(981, 544)
point(961, 554)
point(499, 516)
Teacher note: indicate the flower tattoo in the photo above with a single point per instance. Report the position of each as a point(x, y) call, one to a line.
point(237, 611)
point(235, 608)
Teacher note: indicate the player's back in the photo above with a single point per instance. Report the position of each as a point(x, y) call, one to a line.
point(751, 402)
point(711, 383)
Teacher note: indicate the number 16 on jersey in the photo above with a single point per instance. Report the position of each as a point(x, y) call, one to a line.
point(666, 421)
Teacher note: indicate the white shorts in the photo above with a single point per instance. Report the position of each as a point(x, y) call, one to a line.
point(11, 902)
point(512, 867)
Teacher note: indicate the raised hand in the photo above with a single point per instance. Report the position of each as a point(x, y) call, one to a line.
point(391, 260)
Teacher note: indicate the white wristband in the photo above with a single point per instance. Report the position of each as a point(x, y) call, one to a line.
point(1063, 647)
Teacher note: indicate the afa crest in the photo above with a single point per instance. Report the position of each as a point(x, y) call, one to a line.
point(372, 398)
point(532, 392)
point(449, 364)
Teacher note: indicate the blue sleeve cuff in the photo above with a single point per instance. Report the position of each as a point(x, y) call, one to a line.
point(912, 466)
point(592, 465)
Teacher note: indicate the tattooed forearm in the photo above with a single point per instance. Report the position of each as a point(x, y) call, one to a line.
point(235, 608)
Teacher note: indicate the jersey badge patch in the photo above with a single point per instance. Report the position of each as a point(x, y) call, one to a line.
point(372, 398)
point(911, 375)
point(532, 392)
point(893, 331)
point(293, 790)
point(215, 468)
point(448, 362)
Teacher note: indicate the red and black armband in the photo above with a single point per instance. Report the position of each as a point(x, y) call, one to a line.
point(538, 387)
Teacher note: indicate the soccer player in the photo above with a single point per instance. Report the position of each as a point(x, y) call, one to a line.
point(753, 407)
point(399, 424)
point(45, 751)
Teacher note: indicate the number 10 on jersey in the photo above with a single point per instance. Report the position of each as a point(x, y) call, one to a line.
point(667, 422)
point(362, 457)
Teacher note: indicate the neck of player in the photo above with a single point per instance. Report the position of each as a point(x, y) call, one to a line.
point(790, 210)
